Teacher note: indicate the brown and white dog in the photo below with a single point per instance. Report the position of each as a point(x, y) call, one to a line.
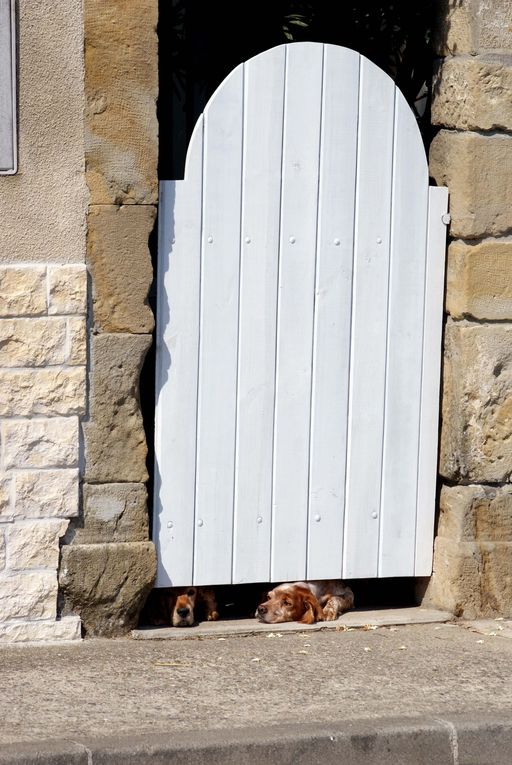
point(306, 602)
point(180, 607)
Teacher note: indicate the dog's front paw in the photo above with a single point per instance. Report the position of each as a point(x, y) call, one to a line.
point(213, 616)
point(330, 613)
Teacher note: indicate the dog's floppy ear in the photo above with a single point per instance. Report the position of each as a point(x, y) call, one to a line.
point(312, 610)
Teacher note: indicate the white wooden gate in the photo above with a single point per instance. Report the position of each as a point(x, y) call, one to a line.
point(301, 269)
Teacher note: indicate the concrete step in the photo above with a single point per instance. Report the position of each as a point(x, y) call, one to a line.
point(360, 619)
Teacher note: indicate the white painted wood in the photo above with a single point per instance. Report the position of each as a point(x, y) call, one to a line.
point(301, 144)
point(369, 322)
point(218, 347)
point(261, 177)
point(8, 158)
point(409, 205)
point(333, 295)
point(177, 348)
point(431, 374)
point(298, 331)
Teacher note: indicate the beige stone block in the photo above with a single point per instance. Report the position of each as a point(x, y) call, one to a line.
point(455, 582)
point(77, 341)
point(470, 26)
point(471, 579)
point(32, 342)
point(113, 513)
point(2, 550)
point(46, 494)
point(479, 280)
point(28, 595)
point(120, 266)
point(115, 443)
point(22, 290)
point(478, 172)
point(477, 403)
point(34, 544)
point(6, 511)
point(62, 630)
point(473, 93)
point(476, 513)
point(67, 289)
point(121, 84)
point(39, 443)
point(107, 584)
point(42, 392)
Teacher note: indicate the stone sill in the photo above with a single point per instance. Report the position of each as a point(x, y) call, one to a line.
point(352, 620)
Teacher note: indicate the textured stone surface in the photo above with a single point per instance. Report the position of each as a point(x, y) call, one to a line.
point(472, 93)
point(469, 26)
point(2, 550)
point(32, 342)
point(34, 544)
point(5, 497)
point(472, 579)
point(51, 442)
point(77, 341)
point(479, 280)
point(46, 494)
point(22, 290)
point(477, 403)
point(120, 266)
point(478, 172)
point(113, 513)
point(42, 208)
point(42, 392)
point(107, 584)
point(67, 289)
point(30, 595)
point(67, 628)
point(473, 512)
point(121, 88)
point(115, 443)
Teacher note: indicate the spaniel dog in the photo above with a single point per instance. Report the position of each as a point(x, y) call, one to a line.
point(180, 607)
point(306, 602)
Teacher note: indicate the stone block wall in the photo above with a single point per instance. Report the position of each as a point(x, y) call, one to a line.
point(472, 154)
point(108, 564)
point(42, 395)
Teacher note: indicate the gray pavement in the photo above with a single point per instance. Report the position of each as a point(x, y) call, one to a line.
point(418, 693)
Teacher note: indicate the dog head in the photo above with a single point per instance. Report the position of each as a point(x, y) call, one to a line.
point(183, 611)
point(290, 603)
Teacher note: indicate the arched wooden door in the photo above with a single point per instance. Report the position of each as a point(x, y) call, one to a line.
point(300, 291)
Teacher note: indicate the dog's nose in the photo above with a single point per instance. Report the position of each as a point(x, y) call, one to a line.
point(183, 612)
point(262, 609)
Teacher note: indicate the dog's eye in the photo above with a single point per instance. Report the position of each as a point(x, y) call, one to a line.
point(286, 602)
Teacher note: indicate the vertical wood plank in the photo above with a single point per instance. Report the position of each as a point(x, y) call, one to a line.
point(219, 332)
point(177, 345)
point(369, 322)
point(429, 416)
point(404, 346)
point(263, 129)
point(329, 400)
point(295, 310)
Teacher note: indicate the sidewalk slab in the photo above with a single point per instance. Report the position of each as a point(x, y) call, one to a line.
point(351, 620)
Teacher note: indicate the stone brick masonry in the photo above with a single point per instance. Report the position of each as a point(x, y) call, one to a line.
point(43, 359)
point(472, 154)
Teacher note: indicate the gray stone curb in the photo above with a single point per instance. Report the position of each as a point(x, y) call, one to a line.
point(454, 740)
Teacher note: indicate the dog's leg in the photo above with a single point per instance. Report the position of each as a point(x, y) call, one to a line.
point(210, 605)
point(335, 605)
